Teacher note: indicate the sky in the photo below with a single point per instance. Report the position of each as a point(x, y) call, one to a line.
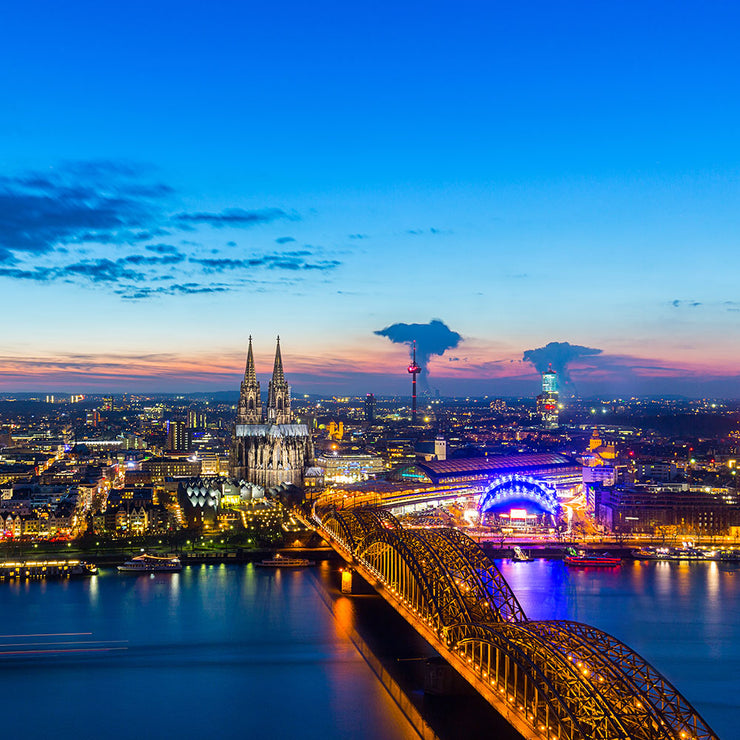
point(175, 177)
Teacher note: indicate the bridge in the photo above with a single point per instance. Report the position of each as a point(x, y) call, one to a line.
point(551, 680)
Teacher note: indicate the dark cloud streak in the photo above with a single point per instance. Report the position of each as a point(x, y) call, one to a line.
point(235, 218)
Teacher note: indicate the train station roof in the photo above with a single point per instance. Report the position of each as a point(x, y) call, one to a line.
point(439, 471)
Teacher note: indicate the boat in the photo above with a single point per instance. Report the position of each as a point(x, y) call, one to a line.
point(46, 569)
point(520, 556)
point(590, 560)
point(280, 561)
point(729, 555)
point(686, 552)
point(151, 564)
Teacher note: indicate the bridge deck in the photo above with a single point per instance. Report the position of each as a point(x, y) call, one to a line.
point(553, 680)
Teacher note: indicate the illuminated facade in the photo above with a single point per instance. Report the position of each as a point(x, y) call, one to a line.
point(351, 468)
point(598, 462)
point(560, 472)
point(268, 449)
point(519, 500)
point(547, 401)
point(370, 408)
point(178, 437)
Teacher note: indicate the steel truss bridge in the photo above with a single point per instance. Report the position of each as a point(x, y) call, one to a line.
point(554, 680)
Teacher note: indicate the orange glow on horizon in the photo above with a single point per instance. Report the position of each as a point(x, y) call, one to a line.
point(220, 369)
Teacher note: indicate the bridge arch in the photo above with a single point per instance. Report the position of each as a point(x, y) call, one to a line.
point(391, 557)
point(565, 680)
point(338, 526)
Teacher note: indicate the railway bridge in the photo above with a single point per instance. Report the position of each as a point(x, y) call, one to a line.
point(551, 680)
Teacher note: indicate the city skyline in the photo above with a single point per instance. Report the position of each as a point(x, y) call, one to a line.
point(171, 183)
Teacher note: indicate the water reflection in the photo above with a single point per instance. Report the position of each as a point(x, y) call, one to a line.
point(93, 591)
point(259, 645)
point(681, 616)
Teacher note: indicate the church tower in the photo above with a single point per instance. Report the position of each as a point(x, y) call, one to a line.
point(249, 410)
point(278, 393)
point(268, 452)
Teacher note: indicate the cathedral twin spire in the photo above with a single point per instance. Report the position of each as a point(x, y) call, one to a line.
point(249, 410)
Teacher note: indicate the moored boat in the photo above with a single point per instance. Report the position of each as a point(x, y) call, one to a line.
point(686, 552)
point(520, 556)
point(280, 561)
point(151, 564)
point(598, 560)
point(46, 569)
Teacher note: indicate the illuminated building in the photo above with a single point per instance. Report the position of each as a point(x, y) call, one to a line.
point(519, 501)
point(399, 450)
point(440, 448)
point(213, 464)
point(559, 472)
point(196, 419)
point(547, 401)
point(268, 450)
point(178, 436)
point(370, 408)
point(598, 462)
point(435, 449)
point(692, 511)
point(351, 468)
point(335, 431)
point(219, 503)
point(163, 467)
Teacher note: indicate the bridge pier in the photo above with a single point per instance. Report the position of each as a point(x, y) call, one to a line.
point(347, 580)
point(550, 680)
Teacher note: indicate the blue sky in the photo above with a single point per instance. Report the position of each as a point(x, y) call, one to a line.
point(176, 176)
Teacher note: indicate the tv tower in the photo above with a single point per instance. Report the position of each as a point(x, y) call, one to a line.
point(414, 369)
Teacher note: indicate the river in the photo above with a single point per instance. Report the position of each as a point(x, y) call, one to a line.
point(235, 651)
point(684, 618)
point(214, 651)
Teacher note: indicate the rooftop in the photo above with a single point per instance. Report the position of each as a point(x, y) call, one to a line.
point(493, 463)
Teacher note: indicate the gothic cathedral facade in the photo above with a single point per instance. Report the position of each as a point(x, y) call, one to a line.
point(268, 449)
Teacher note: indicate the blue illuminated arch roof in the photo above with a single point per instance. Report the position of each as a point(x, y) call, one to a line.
point(507, 490)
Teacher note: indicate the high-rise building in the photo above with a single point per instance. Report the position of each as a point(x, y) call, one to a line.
point(547, 401)
point(269, 449)
point(196, 419)
point(370, 408)
point(178, 437)
point(549, 381)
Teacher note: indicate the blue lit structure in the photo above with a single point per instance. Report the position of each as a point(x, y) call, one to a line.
point(518, 490)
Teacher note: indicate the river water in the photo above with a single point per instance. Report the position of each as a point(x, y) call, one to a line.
point(235, 651)
point(215, 651)
point(684, 618)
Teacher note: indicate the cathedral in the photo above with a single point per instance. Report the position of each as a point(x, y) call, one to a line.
point(268, 449)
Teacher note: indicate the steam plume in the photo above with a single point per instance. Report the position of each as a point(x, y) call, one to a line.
point(434, 338)
point(558, 355)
